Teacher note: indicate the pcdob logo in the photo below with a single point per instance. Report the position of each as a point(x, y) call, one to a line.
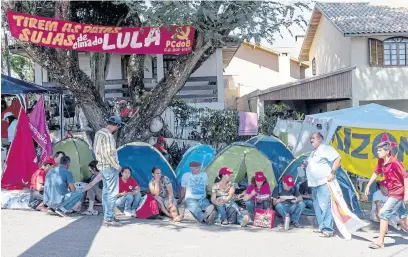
point(180, 38)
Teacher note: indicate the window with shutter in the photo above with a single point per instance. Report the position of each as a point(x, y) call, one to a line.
point(376, 51)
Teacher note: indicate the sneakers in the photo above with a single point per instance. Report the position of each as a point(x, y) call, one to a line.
point(60, 212)
point(297, 225)
point(127, 213)
point(112, 223)
point(90, 212)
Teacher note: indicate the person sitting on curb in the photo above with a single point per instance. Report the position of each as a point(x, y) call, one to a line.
point(379, 198)
point(161, 188)
point(259, 186)
point(129, 193)
point(37, 185)
point(59, 189)
point(193, 191)
point(94, 188)
point(221, 196)
point(306, 194)
point(287, 199)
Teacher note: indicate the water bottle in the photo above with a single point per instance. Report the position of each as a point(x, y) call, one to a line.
point(287, 221)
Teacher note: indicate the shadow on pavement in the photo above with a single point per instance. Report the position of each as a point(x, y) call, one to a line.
point(75, 239)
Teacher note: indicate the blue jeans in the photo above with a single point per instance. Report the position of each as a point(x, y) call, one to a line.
point(70, 199)
point(309, 210)
point(197, 207)
point(322, 207)
point(294, 210)
point(391, 207)
point(130, 202)
point(109, 192)
point(250, 206)
point(222, 211)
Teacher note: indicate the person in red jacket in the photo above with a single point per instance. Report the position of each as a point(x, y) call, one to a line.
point(160, 145)
point(397, 185)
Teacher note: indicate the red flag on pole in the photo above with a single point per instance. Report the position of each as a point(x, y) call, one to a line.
point(21, 160)
point(39, 129)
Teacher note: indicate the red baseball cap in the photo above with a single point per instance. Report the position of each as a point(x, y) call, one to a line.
point(289, 180)
point(49, 160)
point(383, 183)
point(225, 171)
point(259, 176)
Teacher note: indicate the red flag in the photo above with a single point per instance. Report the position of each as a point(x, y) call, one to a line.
point(14, 108)
point(39, 129)
point(21, 160)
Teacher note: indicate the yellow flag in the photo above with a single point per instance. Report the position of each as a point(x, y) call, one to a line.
point(358, 148)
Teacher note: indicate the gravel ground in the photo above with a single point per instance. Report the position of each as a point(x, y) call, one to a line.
point(26, 233)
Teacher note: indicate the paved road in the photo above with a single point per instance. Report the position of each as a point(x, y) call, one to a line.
point(37, 234)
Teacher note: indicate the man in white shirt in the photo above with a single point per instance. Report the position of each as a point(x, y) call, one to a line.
point(379, 198)
point(194, 191)
point(321, 167)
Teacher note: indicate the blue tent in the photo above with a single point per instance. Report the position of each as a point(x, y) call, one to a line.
point(350, 194)
point(141, 158)
point(199, 152)
point(13, 86)
point(275, 150)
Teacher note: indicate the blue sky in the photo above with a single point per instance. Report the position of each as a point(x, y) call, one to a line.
point(289, 41)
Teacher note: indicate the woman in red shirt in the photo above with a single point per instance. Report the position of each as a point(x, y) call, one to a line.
point(129, 193)
point(258, 190)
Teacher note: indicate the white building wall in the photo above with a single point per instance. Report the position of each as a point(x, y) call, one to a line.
point(375, 83)
point(330, 48)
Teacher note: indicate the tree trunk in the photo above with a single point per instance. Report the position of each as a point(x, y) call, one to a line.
point(99, 63)
point(135, 76)
point(155, 102)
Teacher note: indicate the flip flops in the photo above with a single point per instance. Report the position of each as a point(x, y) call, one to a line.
point(376, 246)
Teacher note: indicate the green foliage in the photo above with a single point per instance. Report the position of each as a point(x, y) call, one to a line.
point(220, 127)
point(23, 67)
point(271, 114)
point(247, 20)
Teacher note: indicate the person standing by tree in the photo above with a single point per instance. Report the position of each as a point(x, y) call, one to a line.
point(321, 167)
point(108, 164)
point(397, 185)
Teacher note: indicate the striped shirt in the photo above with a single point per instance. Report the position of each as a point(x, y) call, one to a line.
point(105, 150)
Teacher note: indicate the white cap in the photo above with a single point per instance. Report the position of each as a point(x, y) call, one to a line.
point(7, 114)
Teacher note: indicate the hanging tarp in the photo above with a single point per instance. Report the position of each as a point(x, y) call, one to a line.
point(358, 147)
point(98, 38)
point(370, 116)
point(13, 86)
